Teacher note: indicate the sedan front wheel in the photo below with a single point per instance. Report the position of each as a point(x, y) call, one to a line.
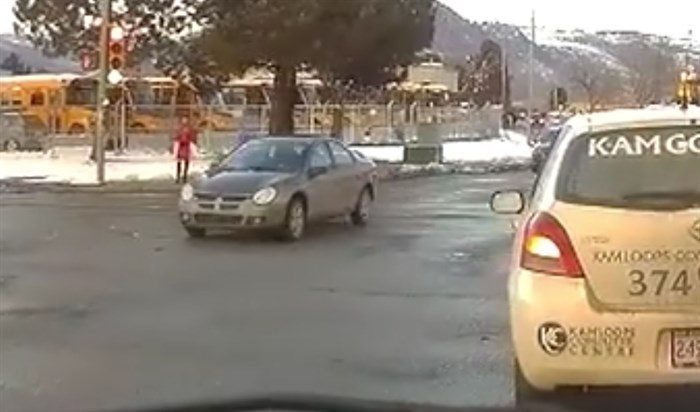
point(360, 215)
point(295, 220)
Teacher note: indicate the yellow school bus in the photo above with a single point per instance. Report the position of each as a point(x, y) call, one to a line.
point(64, 103)
point(157, 104)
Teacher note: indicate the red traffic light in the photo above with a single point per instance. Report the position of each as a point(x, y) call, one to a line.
point(116, 48)
point(117, 55)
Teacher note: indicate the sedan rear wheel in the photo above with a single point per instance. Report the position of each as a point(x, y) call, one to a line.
point(295, 220)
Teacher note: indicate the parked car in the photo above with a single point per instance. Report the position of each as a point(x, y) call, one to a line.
point(21, 132)
point(280, 184)
point(543, 145)
point(604, 284)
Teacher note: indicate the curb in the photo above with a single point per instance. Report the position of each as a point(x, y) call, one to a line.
point(387, 172)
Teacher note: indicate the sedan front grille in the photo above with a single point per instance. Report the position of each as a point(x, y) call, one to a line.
point(222, 206)
point(208, 197)
point(215, 219)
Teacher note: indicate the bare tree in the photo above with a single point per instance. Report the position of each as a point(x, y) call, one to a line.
point(652, 70)
point(599, 85)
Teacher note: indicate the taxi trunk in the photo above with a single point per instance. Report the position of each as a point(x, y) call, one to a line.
point(637, 260)
point(626, 220)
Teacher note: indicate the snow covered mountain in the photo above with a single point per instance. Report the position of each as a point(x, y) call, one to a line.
point(603, 66)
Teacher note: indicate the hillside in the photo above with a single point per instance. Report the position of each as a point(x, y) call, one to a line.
point(32, 57)
point(605, 66)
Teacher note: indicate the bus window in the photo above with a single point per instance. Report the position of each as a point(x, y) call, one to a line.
point(163, 95)
point(81, 92)
point(234, 96)
point(16, 99)
point(185, 96)
point(37, 99)
point(141, 93)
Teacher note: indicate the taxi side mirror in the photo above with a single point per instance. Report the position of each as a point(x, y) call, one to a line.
point(507, 202)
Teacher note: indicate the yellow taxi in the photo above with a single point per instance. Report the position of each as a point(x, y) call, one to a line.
point(604, 286)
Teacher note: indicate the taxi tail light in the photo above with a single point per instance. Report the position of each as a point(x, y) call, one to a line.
point(547, 248)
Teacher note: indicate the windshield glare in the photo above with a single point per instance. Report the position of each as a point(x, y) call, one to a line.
point(286, 156)
point(633, 167)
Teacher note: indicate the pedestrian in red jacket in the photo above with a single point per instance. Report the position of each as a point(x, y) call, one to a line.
point(185, 140)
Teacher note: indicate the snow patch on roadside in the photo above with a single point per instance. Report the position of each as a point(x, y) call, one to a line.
point(72, 165)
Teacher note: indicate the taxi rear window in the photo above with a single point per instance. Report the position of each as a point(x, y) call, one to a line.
point(650, 168)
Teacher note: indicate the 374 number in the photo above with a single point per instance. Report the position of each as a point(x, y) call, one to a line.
point(661, 281)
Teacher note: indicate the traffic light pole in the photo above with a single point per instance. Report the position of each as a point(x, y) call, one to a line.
point(101, 126)
point(531, 75)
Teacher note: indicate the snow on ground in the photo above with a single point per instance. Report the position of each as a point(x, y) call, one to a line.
point(72, 165)
point(512, 146)
point(592, 52)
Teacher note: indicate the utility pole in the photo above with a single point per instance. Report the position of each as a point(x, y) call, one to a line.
point(530, 74)
point(100, 128)
point(504, 74)
point(689, 48)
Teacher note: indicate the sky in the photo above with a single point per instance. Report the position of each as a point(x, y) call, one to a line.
point(669, 17)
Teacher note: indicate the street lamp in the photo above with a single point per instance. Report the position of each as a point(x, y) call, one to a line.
point(531, 74)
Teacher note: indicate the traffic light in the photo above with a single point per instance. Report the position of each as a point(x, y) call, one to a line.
point(88, 60)
point(117, 49)
point(558, 98)
point(116, 55)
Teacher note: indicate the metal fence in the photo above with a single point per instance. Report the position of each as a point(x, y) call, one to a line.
point(153, 126)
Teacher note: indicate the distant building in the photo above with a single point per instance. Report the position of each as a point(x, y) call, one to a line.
point(434, 74)
point(430, 72)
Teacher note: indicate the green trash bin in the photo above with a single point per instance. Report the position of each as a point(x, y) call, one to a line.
point(425, 147)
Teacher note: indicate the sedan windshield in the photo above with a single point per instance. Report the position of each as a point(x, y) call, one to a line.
point(268, 155)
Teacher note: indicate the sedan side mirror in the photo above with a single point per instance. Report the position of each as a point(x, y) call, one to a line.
point(317, 171)
point(211, 170)
point(508, 202)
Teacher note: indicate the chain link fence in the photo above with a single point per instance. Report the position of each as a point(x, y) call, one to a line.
point(153, 126)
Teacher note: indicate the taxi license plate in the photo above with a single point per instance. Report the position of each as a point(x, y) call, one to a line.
point(685, 348)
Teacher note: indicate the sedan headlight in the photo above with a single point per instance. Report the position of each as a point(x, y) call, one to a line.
point(264, 196)
point(187, 192)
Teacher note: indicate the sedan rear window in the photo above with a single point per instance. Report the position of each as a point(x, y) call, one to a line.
point(646, 168)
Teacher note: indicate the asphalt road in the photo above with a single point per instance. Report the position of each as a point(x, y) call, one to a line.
point(104, 302)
